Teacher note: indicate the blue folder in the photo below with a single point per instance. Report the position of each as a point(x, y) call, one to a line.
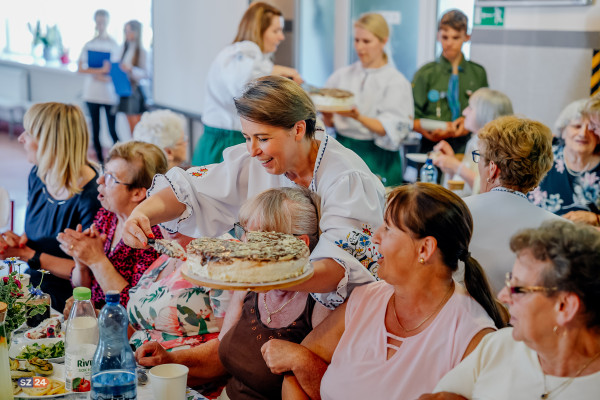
point(120, 80)
point(96, 58)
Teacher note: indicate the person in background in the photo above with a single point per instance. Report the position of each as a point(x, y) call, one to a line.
point(552, 350)
point(572, 186)
point(485, 105)
point(98, 89)
point(62, 193)
point(286, 314)
point(247, 58)
point(281, 150)
point(394, 339)
point(136, 64)
point(382, 117)
point(102, 261)
point(513, 155)
point(441, 89)
point(165, 129)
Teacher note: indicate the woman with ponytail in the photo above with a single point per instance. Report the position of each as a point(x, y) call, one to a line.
point(397, 337)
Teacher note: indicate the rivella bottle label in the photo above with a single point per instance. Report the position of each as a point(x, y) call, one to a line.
point(78, 368)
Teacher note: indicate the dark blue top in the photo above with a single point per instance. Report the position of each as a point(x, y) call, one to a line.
point(563, 190)
point(45, 218)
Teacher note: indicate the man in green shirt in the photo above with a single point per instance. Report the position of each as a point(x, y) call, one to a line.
point(441, 88)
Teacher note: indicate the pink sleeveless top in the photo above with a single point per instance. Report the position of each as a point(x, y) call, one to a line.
point(359, 368)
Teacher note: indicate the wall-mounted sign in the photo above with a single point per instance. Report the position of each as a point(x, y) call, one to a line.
point(489, 16)
point(531, 3)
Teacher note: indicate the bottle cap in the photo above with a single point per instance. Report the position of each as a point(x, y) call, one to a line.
point(112, 296)
point(82, 293)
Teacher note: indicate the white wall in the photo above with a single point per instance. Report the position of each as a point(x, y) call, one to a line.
point(540, 79)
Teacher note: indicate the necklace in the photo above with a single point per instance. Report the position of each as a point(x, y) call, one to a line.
point(269, 313)
point(567, 382)
point(578, 173)
point(503, 189)
point(426, 318)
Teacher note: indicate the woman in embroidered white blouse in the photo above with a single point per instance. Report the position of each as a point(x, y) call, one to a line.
point(278, 123)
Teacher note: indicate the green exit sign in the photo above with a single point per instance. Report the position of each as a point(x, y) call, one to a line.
point(489, 16)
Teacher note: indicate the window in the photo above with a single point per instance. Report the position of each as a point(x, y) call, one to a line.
point(74, 19)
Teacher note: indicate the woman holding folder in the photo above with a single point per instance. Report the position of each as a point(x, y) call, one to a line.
point(134, 62)
point(98, 89)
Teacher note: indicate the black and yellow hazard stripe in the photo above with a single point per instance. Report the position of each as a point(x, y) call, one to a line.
point(595, 80)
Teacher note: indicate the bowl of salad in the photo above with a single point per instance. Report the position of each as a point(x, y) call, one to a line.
point(51, 349)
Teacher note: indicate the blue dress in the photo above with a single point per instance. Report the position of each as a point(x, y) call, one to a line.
point(45, 218)
point(562, 191)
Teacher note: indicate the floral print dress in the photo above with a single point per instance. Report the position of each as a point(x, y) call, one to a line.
point(173, 311)
point(562, 191)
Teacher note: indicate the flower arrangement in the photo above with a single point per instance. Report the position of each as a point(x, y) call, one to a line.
point(51, 38)
point(19, 307)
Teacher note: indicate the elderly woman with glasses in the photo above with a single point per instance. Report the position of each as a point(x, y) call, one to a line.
point(252, 318)
point(512, 156)
point(552, 350)
point(572, 186)
point(102, 261)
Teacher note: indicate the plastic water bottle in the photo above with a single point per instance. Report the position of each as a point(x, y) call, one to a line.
point(113, 368)
point(428, 172)
point(80, 344)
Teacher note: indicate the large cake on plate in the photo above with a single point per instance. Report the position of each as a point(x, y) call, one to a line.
point(332, 100)
point(264, 257)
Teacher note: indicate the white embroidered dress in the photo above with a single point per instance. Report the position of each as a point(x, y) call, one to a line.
point(352, 199)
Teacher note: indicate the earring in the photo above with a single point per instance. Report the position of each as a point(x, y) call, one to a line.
point(555, 330)
point(488, 180)
point(422, 260)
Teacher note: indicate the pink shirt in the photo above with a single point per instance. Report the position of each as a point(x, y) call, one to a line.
point(359, 368)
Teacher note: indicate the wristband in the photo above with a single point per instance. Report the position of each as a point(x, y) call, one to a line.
point(34, 262)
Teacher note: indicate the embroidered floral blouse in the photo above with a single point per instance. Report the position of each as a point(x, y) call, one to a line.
point(562, 191)
point(130, 263)
point(173, 311)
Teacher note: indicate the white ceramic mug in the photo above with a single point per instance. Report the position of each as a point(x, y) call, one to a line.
point(169, 381)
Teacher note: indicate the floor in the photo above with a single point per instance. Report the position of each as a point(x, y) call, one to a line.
point(14, 170)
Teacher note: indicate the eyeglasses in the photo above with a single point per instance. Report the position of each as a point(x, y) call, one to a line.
point(110, 179)
point(476, 156)
point(239, 231)
point(525, 289)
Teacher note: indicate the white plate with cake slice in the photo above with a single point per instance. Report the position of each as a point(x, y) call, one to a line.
point(254, 286)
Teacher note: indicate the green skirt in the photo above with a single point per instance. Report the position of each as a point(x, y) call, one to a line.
point(386, 164)
point(210, 146)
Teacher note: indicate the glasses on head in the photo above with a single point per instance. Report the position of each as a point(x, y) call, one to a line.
point(525, 289)
point(110, 180)
point(476, 156)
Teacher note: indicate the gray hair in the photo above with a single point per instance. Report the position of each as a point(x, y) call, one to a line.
point(163, 128)
point(573, 252)
point(287, 210)
point(571, 112)
point(488, 105)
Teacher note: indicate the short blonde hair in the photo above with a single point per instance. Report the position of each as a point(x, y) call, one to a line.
point(163, 128)
point(520, 147)
point(62, 135)
point(149, 159)
point(255, 21)
point(286, 210)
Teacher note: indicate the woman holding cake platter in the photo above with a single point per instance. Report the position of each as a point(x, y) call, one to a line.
point(288, 315)
point(394, 339)
point(248, 57)
point(384, 109)
point(278, 122)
